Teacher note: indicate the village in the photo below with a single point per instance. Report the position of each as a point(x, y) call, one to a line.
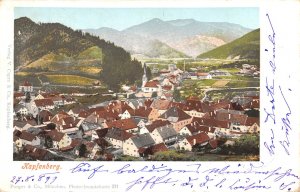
point(145, 122)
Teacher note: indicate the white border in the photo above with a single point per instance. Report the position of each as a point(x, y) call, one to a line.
point(285, 18)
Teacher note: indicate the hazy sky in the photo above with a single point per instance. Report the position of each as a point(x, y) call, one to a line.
point(122, 18)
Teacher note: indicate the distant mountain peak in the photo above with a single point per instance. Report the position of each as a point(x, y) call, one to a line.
point(155, 20)
point(182, 22)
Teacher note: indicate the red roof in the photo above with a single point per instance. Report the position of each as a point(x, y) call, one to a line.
point(27, 136)
point(158, 148)
point(55, 135)
point(161, 104)
point(212, 122)
point(251, 120)
point(213, 143)
point(151, 84)
point(167, 87)
point(124, 124)
point(17, 94)
point(141, 112)
point(84, 114)
point(35, 153)
point(148, 102)
point(26, 84)
point(107, 115)
point(198, 139)
point(43, 102)
point(202, 74)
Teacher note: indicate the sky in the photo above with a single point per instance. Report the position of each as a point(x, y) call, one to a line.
point(122, 18)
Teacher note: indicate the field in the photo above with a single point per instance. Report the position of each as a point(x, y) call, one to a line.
point(220, 83)
point(70, 80)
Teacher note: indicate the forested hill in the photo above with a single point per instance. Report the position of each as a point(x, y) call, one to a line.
point(53, 47)
point(245, 47)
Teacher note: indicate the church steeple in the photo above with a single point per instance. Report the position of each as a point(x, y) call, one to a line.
point(144, 80)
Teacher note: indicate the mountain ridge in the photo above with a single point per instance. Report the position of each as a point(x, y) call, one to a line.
point(245, 47)
point(55, 48)
point(173, 33)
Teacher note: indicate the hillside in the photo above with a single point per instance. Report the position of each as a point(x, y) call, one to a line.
point(45, 48)
point(246, 47)
point(137, 44)
point(177, 37)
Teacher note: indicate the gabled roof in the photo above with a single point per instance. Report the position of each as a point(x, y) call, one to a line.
point(151, 84)
point(19, 124)
point(46, 115)
point(213, 143)
point(93, 118)
point(156, 124)
point(102, 132)
point(198, 139)
point(36, 153)
point(141, 112)
point(84, 114)
point(157, 148)
point(166, 132)
point(193, 127)
point(59, 117)
point(175, 112)
point(26, 84)
point(148, 102)
point(251, 120)
point(77, 110)
point(18, 94)
point(55, 135)
point(231, 116)
point(212, 122)
point(161, 104)
point(125, 124)
point(101, 142)
point(27, 136)
point(143, 140)
point(43, 102)
point(118, 134)
point(108, 115)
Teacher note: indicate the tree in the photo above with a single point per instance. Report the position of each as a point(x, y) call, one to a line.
point(48, 142)
point(247, 144)
point(28, 97)
point(176, 95)
point(82, 150)
point(51, 126)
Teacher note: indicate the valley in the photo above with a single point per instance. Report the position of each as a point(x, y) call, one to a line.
point(171, 90)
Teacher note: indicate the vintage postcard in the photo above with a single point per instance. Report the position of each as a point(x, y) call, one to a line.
point(127, 96)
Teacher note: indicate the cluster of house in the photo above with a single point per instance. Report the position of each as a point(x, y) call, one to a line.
point(161, 86)
point(38, 101)
point(250, 70)
point(136, 127)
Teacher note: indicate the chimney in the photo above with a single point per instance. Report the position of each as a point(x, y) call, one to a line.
point(218, 100)
point(229, 116)
point(194, 142)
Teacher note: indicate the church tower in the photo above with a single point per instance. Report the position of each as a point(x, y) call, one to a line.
point(144, 80)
